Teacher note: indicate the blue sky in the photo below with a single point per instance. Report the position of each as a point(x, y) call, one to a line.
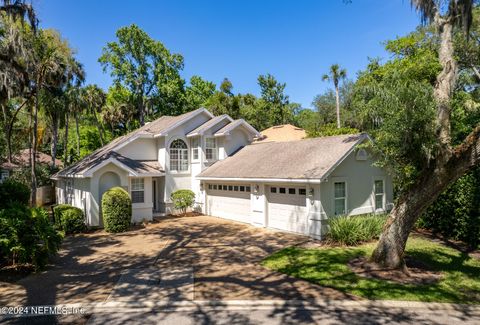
point(296, 41)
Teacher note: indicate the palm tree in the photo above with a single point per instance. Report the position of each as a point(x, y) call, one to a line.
point(73, 102)
point(448, 163)
point(335, 75)
point(95, 99)
point(76, 105)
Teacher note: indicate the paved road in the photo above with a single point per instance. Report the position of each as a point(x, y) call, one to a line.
point(331, 313)
point(246, 312)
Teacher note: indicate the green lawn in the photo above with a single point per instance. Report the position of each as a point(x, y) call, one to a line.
point(327, 267)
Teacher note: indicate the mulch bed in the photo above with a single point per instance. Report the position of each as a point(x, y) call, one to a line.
point(417, 272)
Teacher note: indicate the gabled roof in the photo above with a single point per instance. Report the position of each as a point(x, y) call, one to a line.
point(208, 125)
point(133, 167)
point(233, 125)
point(22, 159)
point(285, 132)
point(295, 160)
point(152, 129)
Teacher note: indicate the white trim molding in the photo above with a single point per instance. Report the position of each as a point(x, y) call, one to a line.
point(171, 127)
point(262, 180)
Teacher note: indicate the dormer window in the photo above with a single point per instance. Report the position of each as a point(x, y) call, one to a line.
point(178, 156)
point(211, 150)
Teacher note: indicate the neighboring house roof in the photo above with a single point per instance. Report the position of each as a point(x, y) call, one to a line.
point(285, 132)
point(151, 129)
point(210, 124)
point(22, 159)
point(233, 125)
point(296, 160)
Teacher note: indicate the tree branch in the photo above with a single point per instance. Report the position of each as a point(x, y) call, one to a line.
point(475, 70)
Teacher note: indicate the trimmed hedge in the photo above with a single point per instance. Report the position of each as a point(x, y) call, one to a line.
point(353, 230)
point(116, 210)
point(12, 193)
point(70, 219)
point(456, 212)
point(182, 200)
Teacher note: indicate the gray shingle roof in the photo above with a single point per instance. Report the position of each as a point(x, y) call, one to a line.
point(232, 125)
point(106, 151)
point(205, 126)
point(302, 159)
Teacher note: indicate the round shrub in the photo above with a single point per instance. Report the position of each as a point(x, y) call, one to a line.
point(116, 210)
point(13, 192)
point(70, 219)
point(182, 200)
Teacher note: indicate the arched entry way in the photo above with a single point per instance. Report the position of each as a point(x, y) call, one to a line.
point(106, 182)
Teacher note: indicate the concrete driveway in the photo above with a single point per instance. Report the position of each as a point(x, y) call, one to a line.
point(207, 258)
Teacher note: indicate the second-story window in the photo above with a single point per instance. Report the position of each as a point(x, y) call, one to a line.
point(178, 156)
point(195, 144)
point(211, 149)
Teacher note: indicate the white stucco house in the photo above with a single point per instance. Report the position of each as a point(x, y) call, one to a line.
point(290, 186)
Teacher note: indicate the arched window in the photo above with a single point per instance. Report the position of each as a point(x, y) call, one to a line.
point(178, 156)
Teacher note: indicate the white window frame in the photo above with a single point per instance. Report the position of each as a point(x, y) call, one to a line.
point(340, 180)
point(140, 187)
point(181, 164)
point(195, 145)
point(214, 149)
point(384, 195)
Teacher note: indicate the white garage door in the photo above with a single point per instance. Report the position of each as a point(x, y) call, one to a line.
point(287, 208)
point(229, 201)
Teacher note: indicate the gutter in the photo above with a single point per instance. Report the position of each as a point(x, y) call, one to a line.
point(262, 180)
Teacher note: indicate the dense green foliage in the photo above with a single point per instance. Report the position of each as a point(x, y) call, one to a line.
point(328, 267)
point(69, 219)
point(13, 193)
point(116, 210)
point(26, 236)
point(456, 213)
point(330, 130)
point(182, 200)
point(353, 230)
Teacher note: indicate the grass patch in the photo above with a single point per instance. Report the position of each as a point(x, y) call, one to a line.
point(353, 230)
point(328, 267)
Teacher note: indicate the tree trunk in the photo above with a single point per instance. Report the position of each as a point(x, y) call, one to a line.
point(77, 129)
point(65, 141)
point(391, 246)
point(54, 140)
point(445, 169)
point(141, 111)
point(33, 152)
point(337, 98)
point(99, 127)
point(445, 83)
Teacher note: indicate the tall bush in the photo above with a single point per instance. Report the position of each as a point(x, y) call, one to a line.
point(70, 219)
point(116, 210)
point(182, 200)
point(353, 230)
point(12, 193)
point(26, 236)
point(456, 212)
